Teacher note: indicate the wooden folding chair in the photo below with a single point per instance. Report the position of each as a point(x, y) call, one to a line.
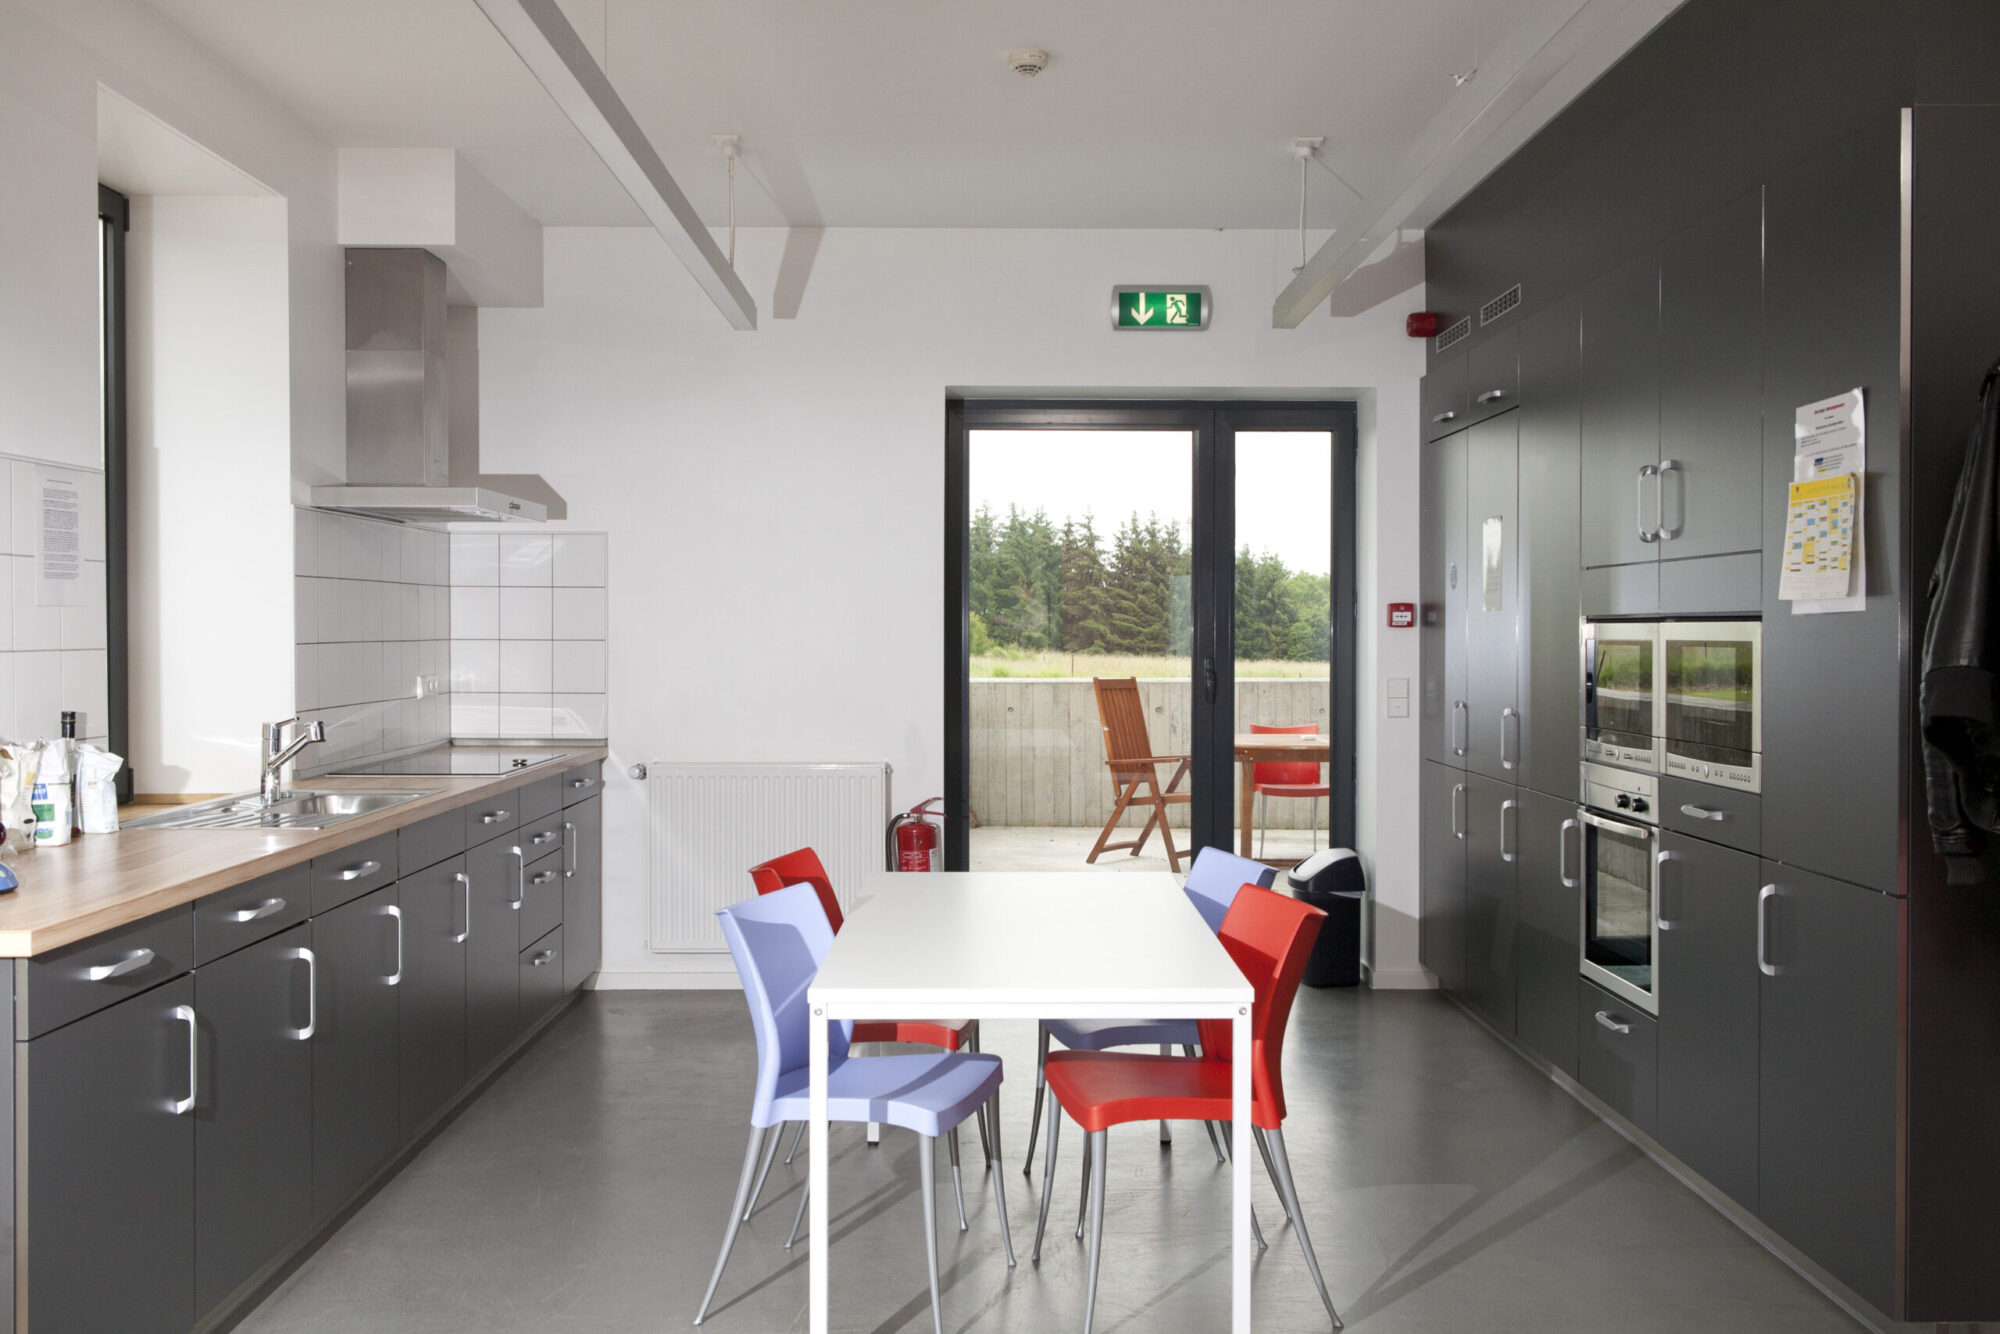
point(1128, 753)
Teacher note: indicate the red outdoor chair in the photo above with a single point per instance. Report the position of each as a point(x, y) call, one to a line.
point(1270, 936)
point(1286, 778)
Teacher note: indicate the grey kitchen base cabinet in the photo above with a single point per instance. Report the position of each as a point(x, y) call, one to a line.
point(583, 891)
point(1492, 850)
point(1547, 952)
point(493, 952)
point(1618, 1055)
point(436, 903)
point(1441, 920)
point(356, 1108)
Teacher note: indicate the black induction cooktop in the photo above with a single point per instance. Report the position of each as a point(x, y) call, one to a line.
point(458, 760)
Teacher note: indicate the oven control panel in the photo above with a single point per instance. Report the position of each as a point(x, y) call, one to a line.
point(1621, 792)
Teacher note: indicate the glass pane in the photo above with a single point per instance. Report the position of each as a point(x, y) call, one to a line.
point(1080, 570)
point(1619, 914)
point(1284, 608)
point(1622, 695)
point(1709, 706)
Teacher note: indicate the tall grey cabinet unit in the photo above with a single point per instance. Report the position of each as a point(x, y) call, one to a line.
point(1493, 725)
point(1549, 560)
point(1441, 925)
point(1619, 403)
point(1442, 582)
point(1548, 924)
point(1492, 851)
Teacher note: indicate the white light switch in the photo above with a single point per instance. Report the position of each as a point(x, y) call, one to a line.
point(1398, 697)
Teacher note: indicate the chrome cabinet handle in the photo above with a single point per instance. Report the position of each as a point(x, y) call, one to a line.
point(1639, 510)
point(1695, 812)
point(1506, 806)
point(541, 957)
point(570, 851)
point(493, 817)
point(542, 837)
point(1604, 1017)
point(583, 782)
point(1562, 854)
point(542, 877)
point(1660, 860)
point(358, 870)
point(1660, 528)
point(1506, 715)
point(520, 877)
point(1460, 710)
point(262, 910)
point(131, 963)
point(1444, 417)
point(396, 977)
point(312, 993)
point(1492, 396)
point(1764, 964)
point(466, 881)
point(1457, 830)
point(182, 1106)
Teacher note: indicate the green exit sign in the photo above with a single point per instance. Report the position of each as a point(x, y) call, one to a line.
point(1176, 308)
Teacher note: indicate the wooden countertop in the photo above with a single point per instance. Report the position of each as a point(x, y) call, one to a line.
point(98, 882)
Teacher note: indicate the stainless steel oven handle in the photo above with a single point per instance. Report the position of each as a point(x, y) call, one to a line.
point(1694, 812)
point(1644, 831)
point(1660, 528)
point(1639, 506)
point(1506, 855)
point(1505, 715)
point(1660, 860)
point(1604, 1017)
point(1764, 897)
point(1562, 854)
point(1457, 829)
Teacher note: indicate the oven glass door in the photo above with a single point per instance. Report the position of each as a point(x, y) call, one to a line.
point(1620, 706)
point(1620, 925)
point(1711, 692)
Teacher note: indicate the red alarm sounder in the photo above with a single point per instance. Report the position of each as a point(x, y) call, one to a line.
point(1421, 325)
point(1402, 615)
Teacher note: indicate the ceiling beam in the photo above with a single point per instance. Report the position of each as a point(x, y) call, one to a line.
point(556, 56)
point(1510, 76)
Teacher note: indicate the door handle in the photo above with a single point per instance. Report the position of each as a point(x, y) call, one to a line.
point(182, 1106)
point(570, 854)
point(582, 782)
point(1507, 715)
point(493, 817)
point(1562, 854)
point(542, 837)
point(1764, 964)
point(396, 978)
point(1660, 501)
point(1505, 807)
point(359, 869)
point(1639, 510)
point(1660, 860)
point(131, 963)
point(1208, 677)
point(541, 957)
point(520, 877)
point(1492, 396)
point(1457, 829)
point(543, 877)
point(1444, 417)
point(1695, 812)
point(1461, 712)
point(262, 910)
point(312, 993)
point(465, 881)
point(1604, 1018)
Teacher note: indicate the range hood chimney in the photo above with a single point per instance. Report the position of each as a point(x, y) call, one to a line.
point(399, 406)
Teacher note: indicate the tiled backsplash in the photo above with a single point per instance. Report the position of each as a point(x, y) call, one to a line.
point(51, 658)
point(528, 631)
point(373, 607)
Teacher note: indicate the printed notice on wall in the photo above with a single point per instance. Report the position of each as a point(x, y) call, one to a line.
point(1825, 558)
point(58, 540)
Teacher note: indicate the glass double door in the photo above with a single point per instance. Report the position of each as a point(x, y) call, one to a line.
point(1148, 606)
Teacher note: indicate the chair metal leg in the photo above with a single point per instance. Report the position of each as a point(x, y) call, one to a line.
point(927, 1171)
point(797, 1137)
point(1281, 1176)
point(957, 1180)
point(992, 1103)
point(770, 1156)
point(1083, 1193)
point(1166, 1127)
point(996, 1165)
point(1048, 1179)
point(735, 1218)
point(800, 1216)
point(1099, 1142)
point(1035, 1121)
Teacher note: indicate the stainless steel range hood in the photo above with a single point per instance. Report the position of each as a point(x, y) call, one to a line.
point(405, 459)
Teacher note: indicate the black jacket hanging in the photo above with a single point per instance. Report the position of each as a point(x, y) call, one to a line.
point(1960, 692)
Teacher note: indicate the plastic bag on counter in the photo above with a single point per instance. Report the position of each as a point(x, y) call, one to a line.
point(97, 792)
point(17, 781)
point(54, 820)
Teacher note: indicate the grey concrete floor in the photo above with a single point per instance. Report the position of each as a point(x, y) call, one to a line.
point(1447, 1185)
point(1059, 848)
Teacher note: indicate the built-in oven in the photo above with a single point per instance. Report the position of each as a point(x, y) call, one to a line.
point(1617, 874)
point(1621, 694)
point(1712, 689)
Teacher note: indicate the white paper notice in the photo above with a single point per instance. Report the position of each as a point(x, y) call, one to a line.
point(1832, 441)
point(58, 540)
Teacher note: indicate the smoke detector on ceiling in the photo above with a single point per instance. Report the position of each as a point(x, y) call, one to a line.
point(1027, 62)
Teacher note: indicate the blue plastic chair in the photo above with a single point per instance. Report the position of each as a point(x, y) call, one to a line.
point(1211, 886)
point(778, 941)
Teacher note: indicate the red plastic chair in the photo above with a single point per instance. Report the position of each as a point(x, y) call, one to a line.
point(1286, 778)
point(1270, 936)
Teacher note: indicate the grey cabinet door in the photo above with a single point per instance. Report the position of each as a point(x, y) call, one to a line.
point(1442, 585)
point(1711, 385)
point(253, 1123)
point(1493, 730)
point(492, 954)
point(1441, 927)
point(1708, 1011)
point(110, 1212)
point(357, 1123)
point(1443, 392)
point(583, 891)
point(1619, 401)
point(1549, 686)
point(1827, 1075)
point(1492, 852)
point(541, 976)
point(1546, 952)
point(436, 905)
point(1493, 375)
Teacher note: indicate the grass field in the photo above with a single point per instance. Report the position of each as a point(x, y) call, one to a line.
point(1047, 665)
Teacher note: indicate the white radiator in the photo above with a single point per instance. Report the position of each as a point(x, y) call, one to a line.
point(708, 824)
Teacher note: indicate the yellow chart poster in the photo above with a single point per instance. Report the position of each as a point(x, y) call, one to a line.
point(1819, 539)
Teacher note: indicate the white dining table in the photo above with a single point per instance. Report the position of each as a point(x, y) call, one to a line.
point(1028, 945)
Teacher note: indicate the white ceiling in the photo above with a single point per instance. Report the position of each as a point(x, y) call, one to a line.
point(902, 113)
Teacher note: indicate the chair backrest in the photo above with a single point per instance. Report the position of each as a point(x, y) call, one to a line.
point(1299, 773)
point(1270, 936)
point(1216, 876)
point(778, 940)
point(1123, 719)
point(798, 868)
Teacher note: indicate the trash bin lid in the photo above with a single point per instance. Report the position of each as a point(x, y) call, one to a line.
point(1304, 873)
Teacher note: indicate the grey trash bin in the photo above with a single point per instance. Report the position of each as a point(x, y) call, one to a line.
point(1332, 881)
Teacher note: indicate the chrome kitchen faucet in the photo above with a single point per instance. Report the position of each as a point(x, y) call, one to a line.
point(277, 755)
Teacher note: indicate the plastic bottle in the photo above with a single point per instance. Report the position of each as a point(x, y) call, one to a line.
point(69, 760)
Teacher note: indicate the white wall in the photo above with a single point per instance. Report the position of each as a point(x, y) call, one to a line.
point(777, 495)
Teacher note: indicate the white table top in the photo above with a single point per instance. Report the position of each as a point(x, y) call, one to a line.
point(1067, 940)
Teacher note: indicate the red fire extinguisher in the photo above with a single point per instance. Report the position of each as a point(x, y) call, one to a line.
point(914, 839)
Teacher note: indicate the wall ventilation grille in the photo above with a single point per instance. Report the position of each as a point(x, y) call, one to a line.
point(1500, 305)
point(1456, 334)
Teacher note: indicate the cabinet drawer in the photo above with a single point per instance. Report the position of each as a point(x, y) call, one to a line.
point(1618, 1055)
point(539, 799)
point(226, 921)
point(1703, 810)
point(541, 976)
point(1711, 585)
point(1494, 376)
point(353, 871)
point(583, 782)
point(1622, 590)
point(538, 838)
point(428, 842)
point(541, 897)
point(490, 817)
point(83, 978)
point(1444, 398)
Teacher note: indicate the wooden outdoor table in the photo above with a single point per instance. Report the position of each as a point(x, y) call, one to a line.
point(1268, 746)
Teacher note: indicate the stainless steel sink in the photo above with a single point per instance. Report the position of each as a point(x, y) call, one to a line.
point(302, 808)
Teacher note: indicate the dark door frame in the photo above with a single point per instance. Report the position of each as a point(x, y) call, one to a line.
point(1213, 425)
point(114, 217)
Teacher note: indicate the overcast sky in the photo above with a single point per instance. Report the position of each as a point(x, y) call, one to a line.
point(1284, 483)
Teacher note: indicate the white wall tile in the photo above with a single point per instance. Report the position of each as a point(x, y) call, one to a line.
point(83, 688)
point(475, 715)
point(527, 560)
point(579, 715)
point(526, 613)
point(525, 666)
point(305, 677)
point(37, 695)
point(305, 544)
point(580, 560)
point(305, 610)
point(21, 507)
point(83, 627)
point(525, 715)
point(475, 612)
point(35, 628)
point(475, 560)
point(9, 727)
point(579, 666)
point(389, 543)
point(580, 613)
point(475, 665)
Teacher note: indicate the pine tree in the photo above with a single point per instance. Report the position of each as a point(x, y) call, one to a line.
point(1082, 618)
